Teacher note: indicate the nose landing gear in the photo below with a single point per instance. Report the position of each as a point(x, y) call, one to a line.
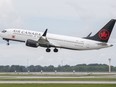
point(8, 42)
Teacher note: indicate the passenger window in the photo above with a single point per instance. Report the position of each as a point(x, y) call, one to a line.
point(3, 31)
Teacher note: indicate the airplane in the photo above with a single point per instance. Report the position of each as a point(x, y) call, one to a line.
point(47, 40)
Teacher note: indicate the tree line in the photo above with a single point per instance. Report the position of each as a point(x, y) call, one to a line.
point(64, 68)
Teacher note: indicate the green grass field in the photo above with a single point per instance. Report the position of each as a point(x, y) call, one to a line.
point(53, 74)
point(57, 79)
point(56, 85)
point(54, 77)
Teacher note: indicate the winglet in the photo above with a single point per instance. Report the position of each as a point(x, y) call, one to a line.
point(45, 33)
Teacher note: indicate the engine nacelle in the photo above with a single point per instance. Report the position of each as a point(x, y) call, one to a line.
point(32, 43)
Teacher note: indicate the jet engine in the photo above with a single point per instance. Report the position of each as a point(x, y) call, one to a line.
point(32, 43)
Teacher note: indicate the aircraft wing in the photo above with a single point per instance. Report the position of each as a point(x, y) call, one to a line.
point(43, 41)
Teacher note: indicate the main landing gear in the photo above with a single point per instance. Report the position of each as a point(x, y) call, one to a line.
point(55, 50)
point(49, 50)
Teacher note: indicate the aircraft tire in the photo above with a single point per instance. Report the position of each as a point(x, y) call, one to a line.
point(55, 50)
point(48, 50)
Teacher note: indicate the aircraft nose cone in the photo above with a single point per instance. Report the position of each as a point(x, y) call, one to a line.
point(1, 34)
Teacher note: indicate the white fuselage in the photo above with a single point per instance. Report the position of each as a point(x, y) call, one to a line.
point(59, 41)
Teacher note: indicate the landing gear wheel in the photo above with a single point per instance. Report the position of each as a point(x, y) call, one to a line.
point(48, 50)
point(8, 42)
point(55, 50)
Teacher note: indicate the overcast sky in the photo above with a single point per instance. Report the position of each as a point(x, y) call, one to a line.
point(66, 17)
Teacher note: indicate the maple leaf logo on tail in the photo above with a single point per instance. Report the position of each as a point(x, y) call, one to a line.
point(104, 34)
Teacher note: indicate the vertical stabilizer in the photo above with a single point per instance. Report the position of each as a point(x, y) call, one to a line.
point(104, 34)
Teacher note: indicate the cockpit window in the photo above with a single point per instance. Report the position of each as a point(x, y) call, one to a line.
point(4, 31)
